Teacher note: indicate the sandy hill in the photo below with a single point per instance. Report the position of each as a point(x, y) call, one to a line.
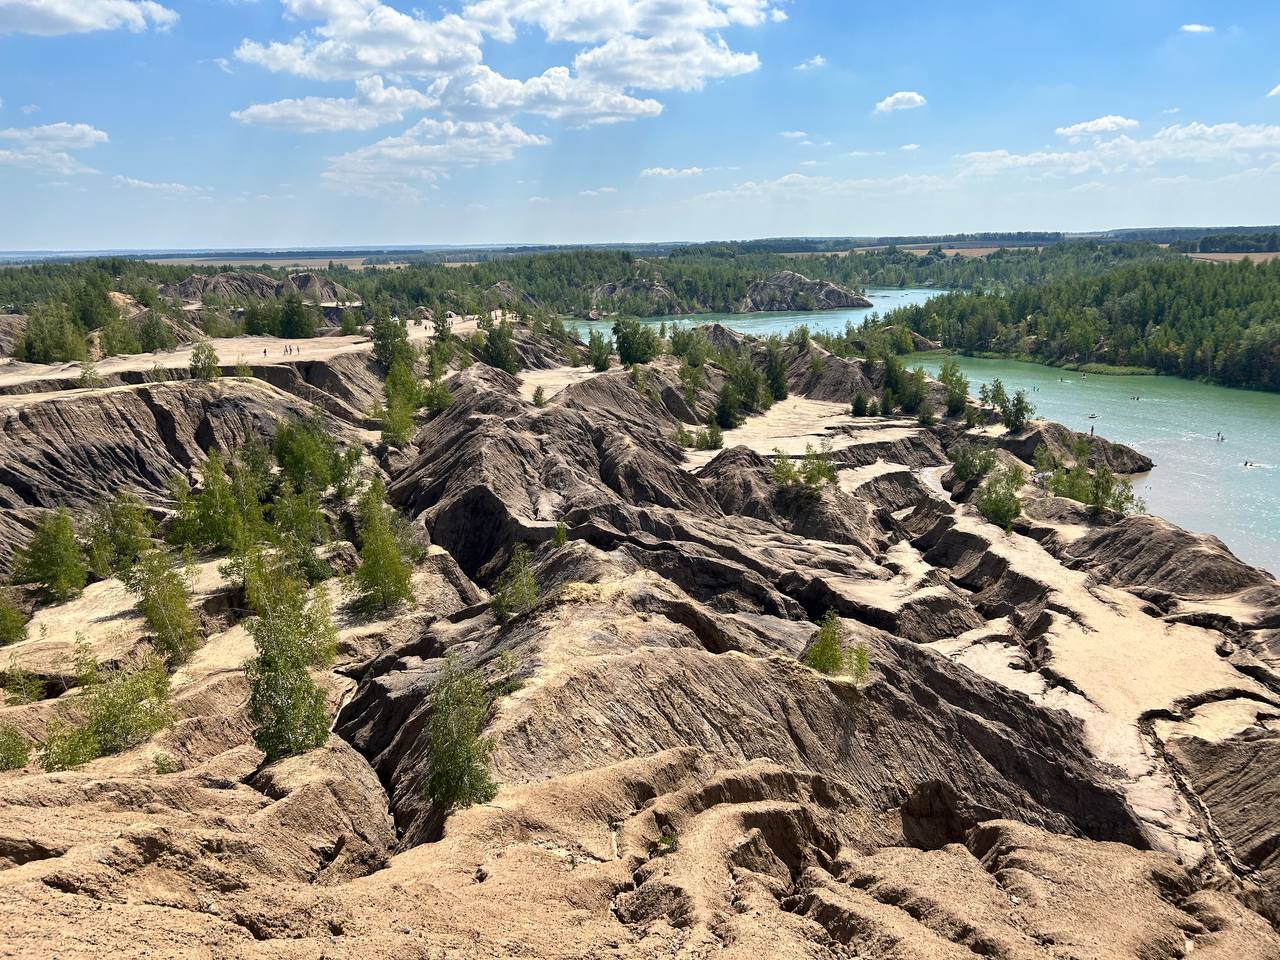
point(1067, 743)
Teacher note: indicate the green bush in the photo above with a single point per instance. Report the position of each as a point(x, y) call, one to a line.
point(51, 336)
point(290, 634)
point(860, 664)
point(163, 600)
point(636, 341)
point(459, 754)
point(812, 473)
point(21, 686)
point(119, 708)
point(308, 455)
point(859, 406)
point(390, 338)
point(15, 749)
point(775, 367)
point(383, 577)
point(598, 351)
point(997, 498)
point(957, 386)
point(972, 461)
point(119, 531)
point(500, 349)
point(52, 560)
point(826, 652)
point(204, 362)
point(925, 414)
point(13, 620)
point(539, 397)
point(517, 590)
point(710, 438)
point(561, 535)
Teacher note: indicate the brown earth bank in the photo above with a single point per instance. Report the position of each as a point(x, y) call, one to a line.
point(1067, 744)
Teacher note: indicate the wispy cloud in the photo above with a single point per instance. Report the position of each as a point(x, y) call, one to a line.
point(793, 134)
point(816, 62)
point(1111, 123)
point(1275, 91)
point(671, 172)
point(902, 100)
point(910, 147)
point(175, 189)
point(1196, 28)
point(597, 192)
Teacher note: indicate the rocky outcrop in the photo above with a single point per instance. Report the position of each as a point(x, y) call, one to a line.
point(645, 296)
point(237, 286)
point(1153, 554)
point(71, 450)
point(12, 328)
point(1062, 442)
point(788, 290)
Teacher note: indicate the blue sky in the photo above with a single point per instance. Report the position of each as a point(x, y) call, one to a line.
point(247, 123)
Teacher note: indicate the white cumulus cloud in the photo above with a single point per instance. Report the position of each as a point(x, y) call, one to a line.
point(902, 100)
point(1108, 124)
point(51, 18)
point(1196, 28)
point(817, 61)
point(375, 104)
point(424, 153)
point(49, 148)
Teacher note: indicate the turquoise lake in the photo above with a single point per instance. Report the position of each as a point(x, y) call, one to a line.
point(1198, 483)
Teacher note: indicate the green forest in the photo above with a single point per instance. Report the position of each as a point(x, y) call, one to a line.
point(1212, 321)
point(1131, 304)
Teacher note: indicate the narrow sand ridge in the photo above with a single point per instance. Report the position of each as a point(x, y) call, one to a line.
point(230, 350)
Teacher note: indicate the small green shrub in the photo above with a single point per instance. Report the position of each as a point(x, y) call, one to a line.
point(13, 620)
point(598, 351)
point(925, 414)
point(15, 749)
point(204, 362)
point(972, 461)
point(163, 599)
point(997, 498)
point(120, 707)
point(517, 590)
point(561, 536)
point(668, 842)
point(539, 397)
point(21, 686)
point(52, 560)
point(166, 763)
point(860, 664)
point(710, 438)
point(957, 386)
point(459, 754)
point(119, 531)
point(290, 634)
point(826, 652)
point(859, 406)
point(636, 341)
point(383, 579)
point(812, 473)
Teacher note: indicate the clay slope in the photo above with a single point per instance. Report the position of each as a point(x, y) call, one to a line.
point(1040, 763)
point(788, 290)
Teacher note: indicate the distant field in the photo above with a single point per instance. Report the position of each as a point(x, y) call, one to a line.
point(1231, 257)
point(355, 263)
